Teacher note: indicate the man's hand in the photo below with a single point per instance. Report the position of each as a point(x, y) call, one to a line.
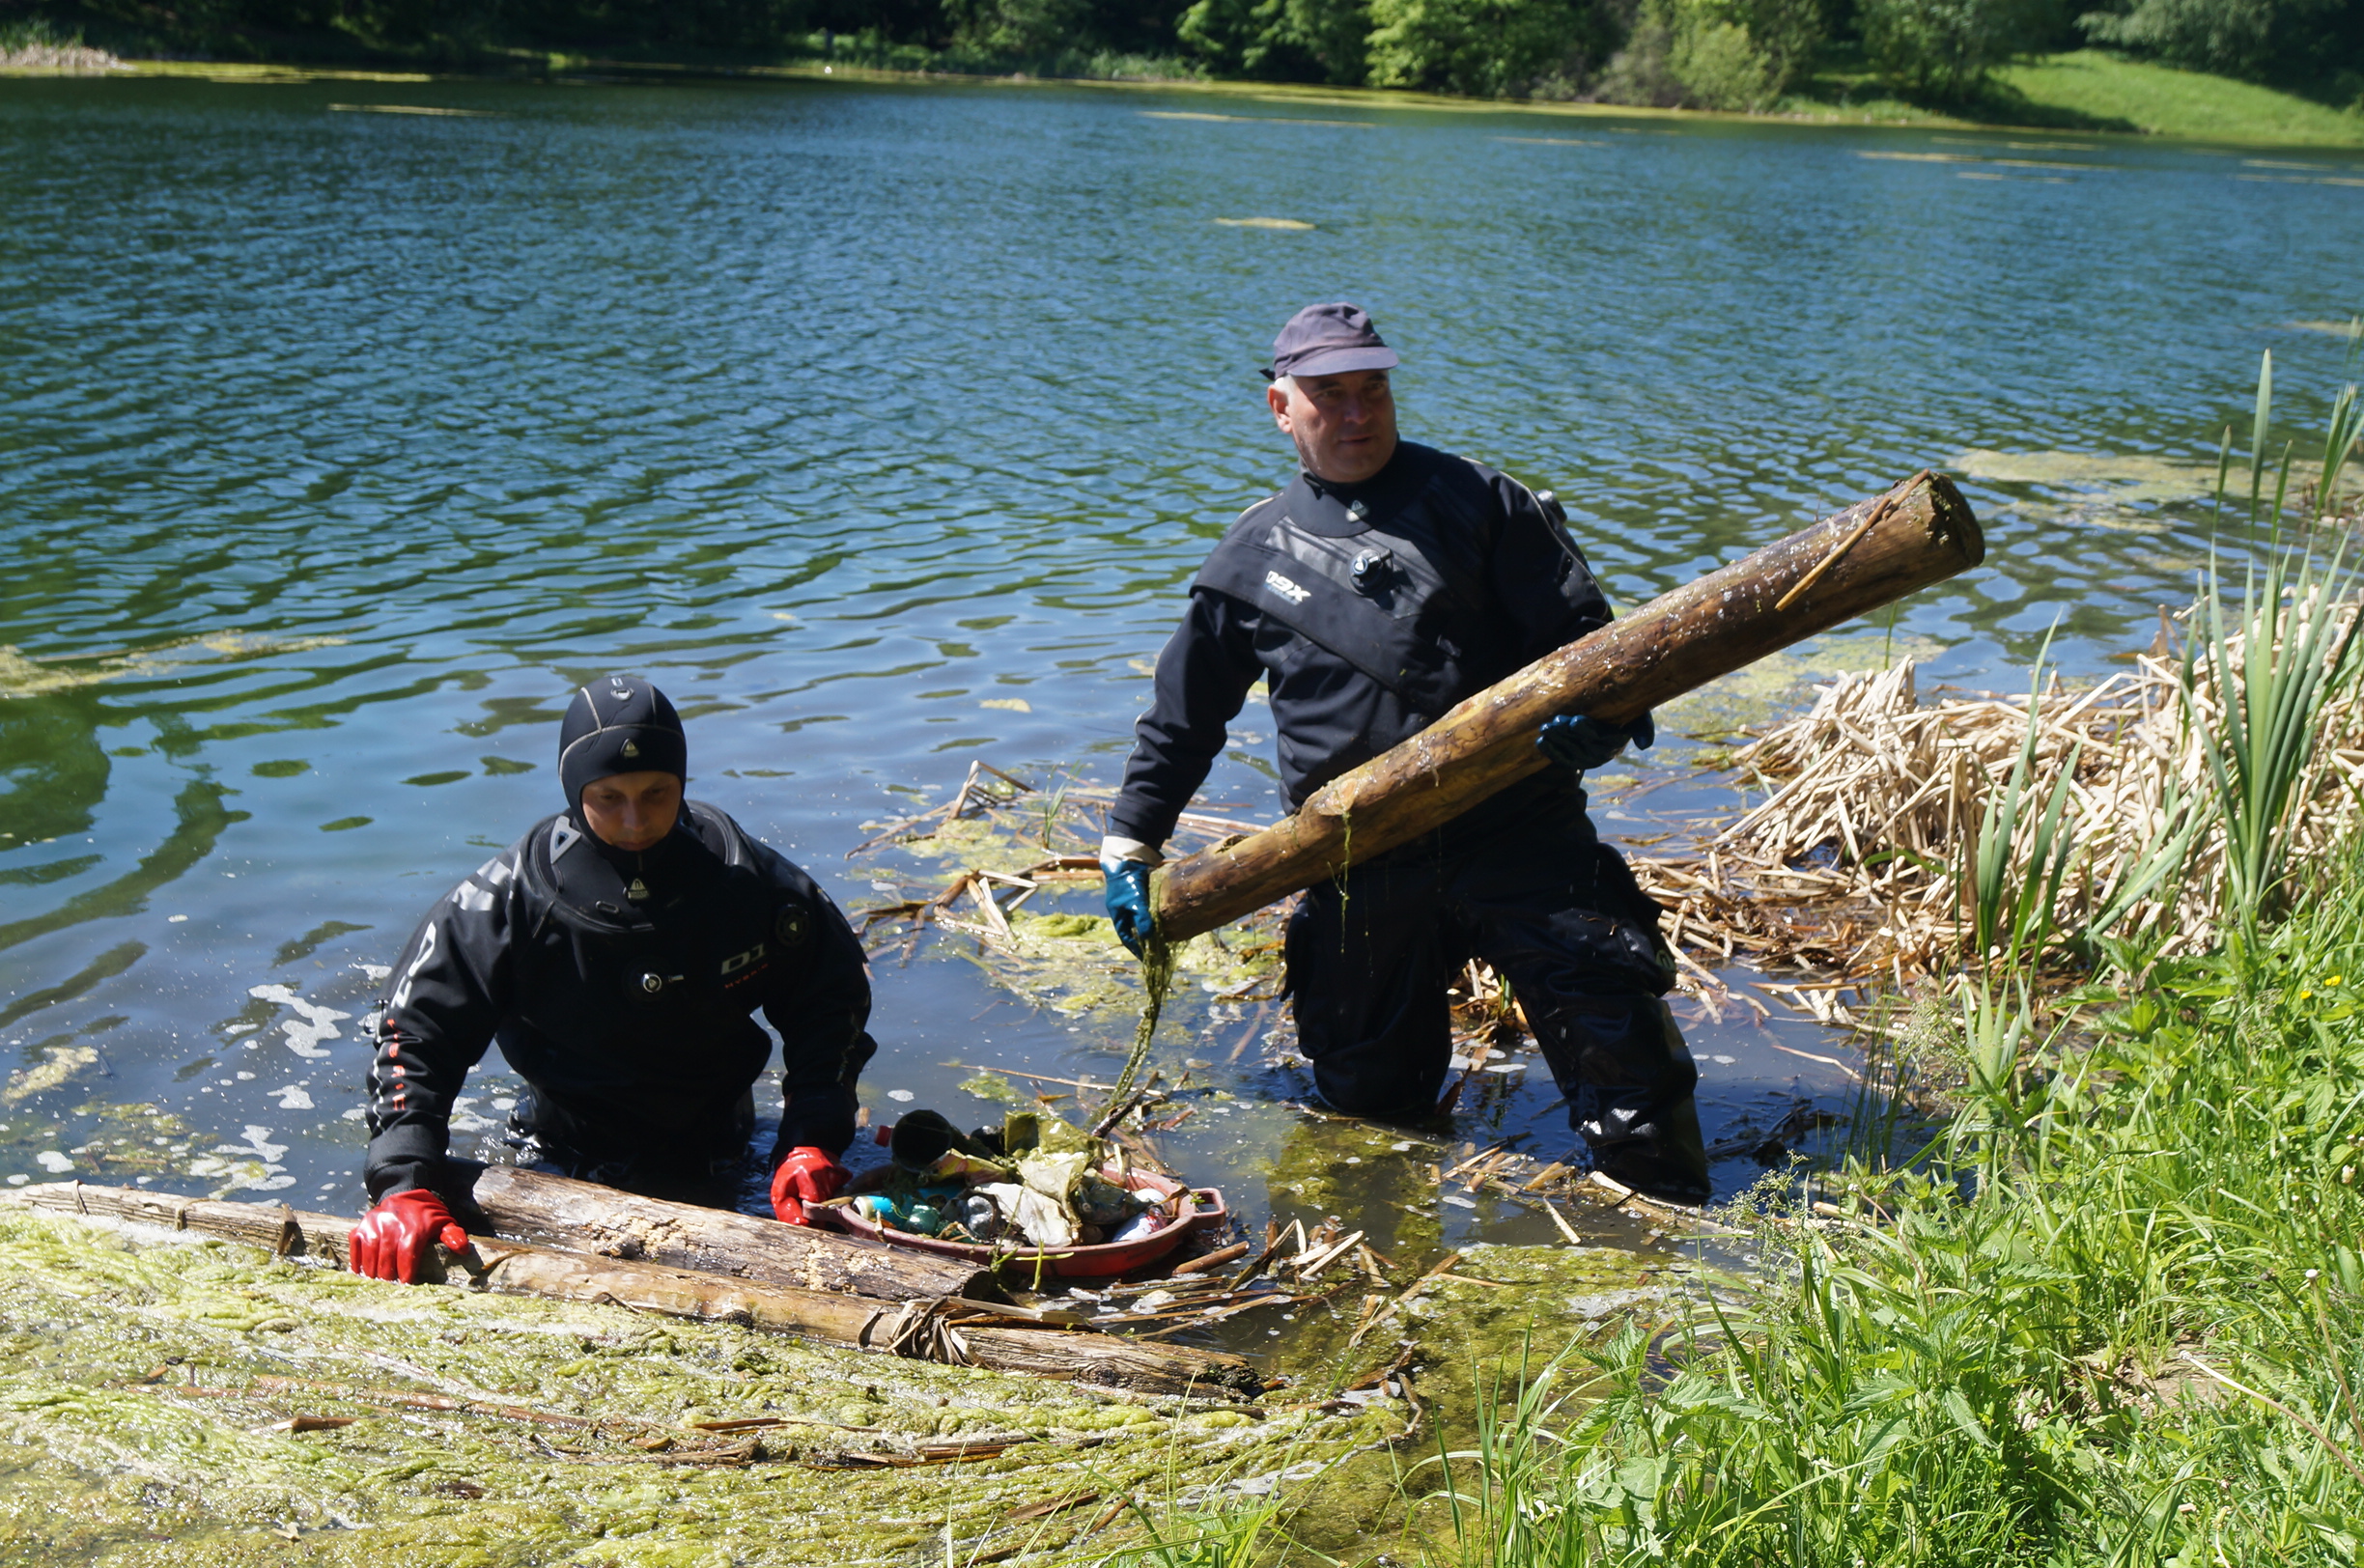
point(808, 1175)
point(392, 1240)
point(1128, 901)
point(1586, 744)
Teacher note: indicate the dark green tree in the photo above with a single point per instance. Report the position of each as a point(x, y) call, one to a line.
point(1940, 50)
point(2294, 39)
point(1483, 48)
point(1020, 29)
point(1290, 40)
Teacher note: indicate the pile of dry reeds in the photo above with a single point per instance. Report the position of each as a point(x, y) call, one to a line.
point(1858, 862)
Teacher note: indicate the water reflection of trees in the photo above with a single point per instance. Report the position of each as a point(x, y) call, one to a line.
point(52, 782)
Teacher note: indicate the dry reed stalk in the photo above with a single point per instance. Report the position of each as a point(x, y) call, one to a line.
point(1854, 864)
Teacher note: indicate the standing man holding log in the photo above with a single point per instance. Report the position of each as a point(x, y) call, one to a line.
point(616, 952)
point(1385, 583)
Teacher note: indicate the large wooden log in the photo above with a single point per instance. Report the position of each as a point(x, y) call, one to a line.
point(584, 1217)
point(824, 1317)
point(1857, 560)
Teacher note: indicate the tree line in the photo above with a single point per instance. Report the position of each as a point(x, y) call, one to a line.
point(1732, 54)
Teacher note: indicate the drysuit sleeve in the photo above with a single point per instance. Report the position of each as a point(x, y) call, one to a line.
point(1541, 577)
point(1202, 680)
point(820, 1005)
point(450, 991)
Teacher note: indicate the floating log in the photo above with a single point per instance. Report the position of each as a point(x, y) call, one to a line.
point(930, 1330)
point(1869, 556)
point(584, 1217)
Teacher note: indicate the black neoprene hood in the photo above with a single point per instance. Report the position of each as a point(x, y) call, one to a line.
point(619, 725)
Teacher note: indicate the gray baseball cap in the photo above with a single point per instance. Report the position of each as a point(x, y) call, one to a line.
point(1328, 340)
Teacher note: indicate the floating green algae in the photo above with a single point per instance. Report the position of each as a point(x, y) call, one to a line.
point(2118, 491)
point(24, 675)
point(1470, 1337)
point(1773, 687)
point(1073, 966)
point(110, 1454)
point(1066, 960)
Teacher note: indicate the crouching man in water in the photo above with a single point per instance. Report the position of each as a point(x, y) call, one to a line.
point(616, 952)
point(1385, 583)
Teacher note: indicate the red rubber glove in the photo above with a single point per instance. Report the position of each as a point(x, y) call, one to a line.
point(808, 1175)
point(392, 1240)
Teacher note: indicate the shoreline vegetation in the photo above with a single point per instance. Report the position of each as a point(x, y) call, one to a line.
point(1830, 73)
point(2082, 1280)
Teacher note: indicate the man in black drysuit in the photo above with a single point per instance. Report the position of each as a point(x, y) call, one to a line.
point(1385, 584)
point(616, 952)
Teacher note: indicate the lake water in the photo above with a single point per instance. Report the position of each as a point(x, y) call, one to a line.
point(884, 426)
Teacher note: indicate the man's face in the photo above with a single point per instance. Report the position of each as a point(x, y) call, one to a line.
point(633, 811)
point(1344, 426)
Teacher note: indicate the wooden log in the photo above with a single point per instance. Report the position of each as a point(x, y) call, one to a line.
point(824, 1317)
point(1857, 560)
point(584, 1217)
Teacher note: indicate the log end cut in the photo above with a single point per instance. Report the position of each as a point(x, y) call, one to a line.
point(1952, 523)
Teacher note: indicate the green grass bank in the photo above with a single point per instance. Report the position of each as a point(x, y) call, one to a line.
point(2113, 1317)
point(2089, 92)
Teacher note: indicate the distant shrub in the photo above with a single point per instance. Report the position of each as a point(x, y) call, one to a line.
point(1304, 41)
point(2299, 38)
point(1021, 29)
point(1714, 54)
point(1721, 67)
point(1482, 49)
point(1940, 49)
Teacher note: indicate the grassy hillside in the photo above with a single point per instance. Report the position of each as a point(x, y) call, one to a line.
point(2087, 89)
point(2159, 100)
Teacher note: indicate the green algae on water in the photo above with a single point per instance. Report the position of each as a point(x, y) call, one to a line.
point(132, 1432)
point(22, 675)
point(1770, 688)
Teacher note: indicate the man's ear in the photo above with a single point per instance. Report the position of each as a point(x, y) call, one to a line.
point(1276, 397)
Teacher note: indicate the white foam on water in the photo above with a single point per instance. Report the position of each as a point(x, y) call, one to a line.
point(313, 1024)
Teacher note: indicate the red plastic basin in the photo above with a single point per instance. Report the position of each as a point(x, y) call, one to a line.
point(1203, 1210)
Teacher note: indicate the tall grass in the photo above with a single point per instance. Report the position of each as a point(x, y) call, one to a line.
point(2000, 1357)
point(2277, 660)
point(2012, 915)
point(26, 34)
point(2262, 670)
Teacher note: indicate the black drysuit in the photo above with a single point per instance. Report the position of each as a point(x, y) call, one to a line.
point(1370, 609)
point(620, 986)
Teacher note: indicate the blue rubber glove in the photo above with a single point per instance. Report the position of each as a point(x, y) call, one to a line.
point(1128, 901)
point(1586, 744)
